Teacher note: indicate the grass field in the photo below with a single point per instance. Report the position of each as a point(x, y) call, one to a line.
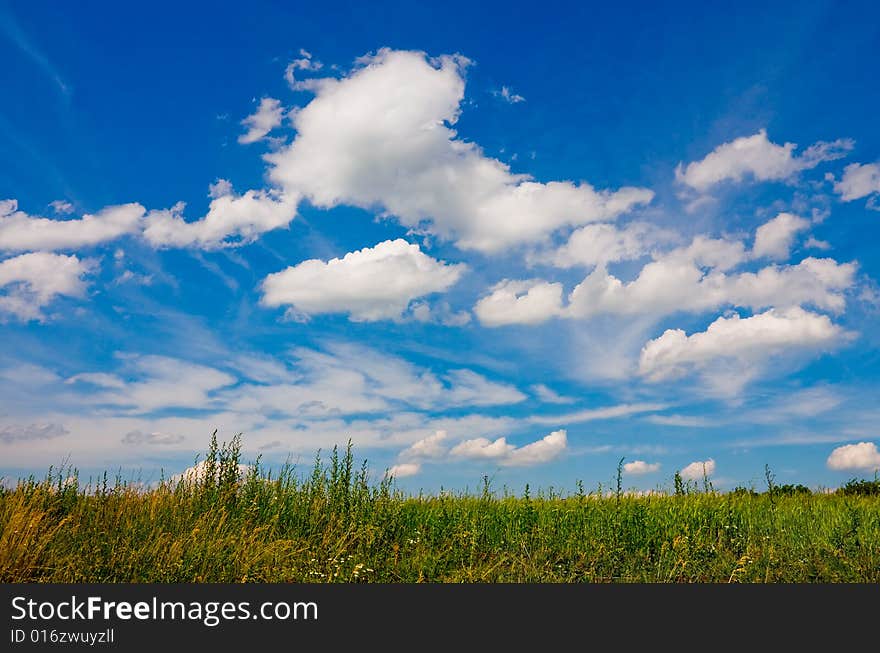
point(335, 526)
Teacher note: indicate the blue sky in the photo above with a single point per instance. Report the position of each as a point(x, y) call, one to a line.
point(473, 239)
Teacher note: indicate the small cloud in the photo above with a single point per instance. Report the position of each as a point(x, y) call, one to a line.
point(860, 180)
point(196, 473)
point(639, 467)
point(862, 456)
point(544, 450)
point(99, 379)
point(815, 243)
point(403, 470)
point(30, 432)
point(698, 203)
point(549, 396)
point(698, 469)
point(268, 116)
point(61, 207)
point(775, 238)
point(304, 62)
point(757, 158)
point(155, 438)
point(440, 313)
point(688, 421)
point(429, 447)
point(133, 277)
point(507, 94)
point(220, 188)
point(479, 448)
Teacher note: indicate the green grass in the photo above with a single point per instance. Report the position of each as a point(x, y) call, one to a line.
point(335, 526)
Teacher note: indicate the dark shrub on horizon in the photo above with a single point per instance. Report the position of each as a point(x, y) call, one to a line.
point(861, 487)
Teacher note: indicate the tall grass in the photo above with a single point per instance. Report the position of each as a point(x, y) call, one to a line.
point(333, 525)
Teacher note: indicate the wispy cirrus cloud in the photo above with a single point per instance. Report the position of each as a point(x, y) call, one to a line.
point(11, 29)
point(10, 433)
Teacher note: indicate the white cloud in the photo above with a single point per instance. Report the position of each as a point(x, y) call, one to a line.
point(29, 376)
point(669, 285)
point(30, 282)
point(507, 94)
point(544, 450)
point(403, 470)
point(374, 283)
point(756, 156)
point(815, 243)
point(862, 456)
point(432, 446)
point(231, 219)
point(198, 472)
point(438, 313)
point(859, 180)
point(466, 426)
point(520, 302)
point(550, 396)
point(348, 379)
point(687, 421)
point(746, 342)
point(696, 470)
point(98, 379)
point(96, 430)
point(774, 239)
point(482, 448)
point(262, 368)
point(161, 383)
point(61, 207)
point(268, 116)
point(128, 276)
point(592, 414)
point(21, 232)
point(395, 379)
point(322, 390)
point(220, 188)
point(304, 62)
point(389, 430)
point(639, 467)
point(157, 438)
point(693, 279)
point(597, 244)
point(382, 138)
point(794, 406)
point(467, 388)
point(28, 432)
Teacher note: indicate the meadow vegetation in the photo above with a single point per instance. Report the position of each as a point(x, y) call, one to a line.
point(334, 525)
